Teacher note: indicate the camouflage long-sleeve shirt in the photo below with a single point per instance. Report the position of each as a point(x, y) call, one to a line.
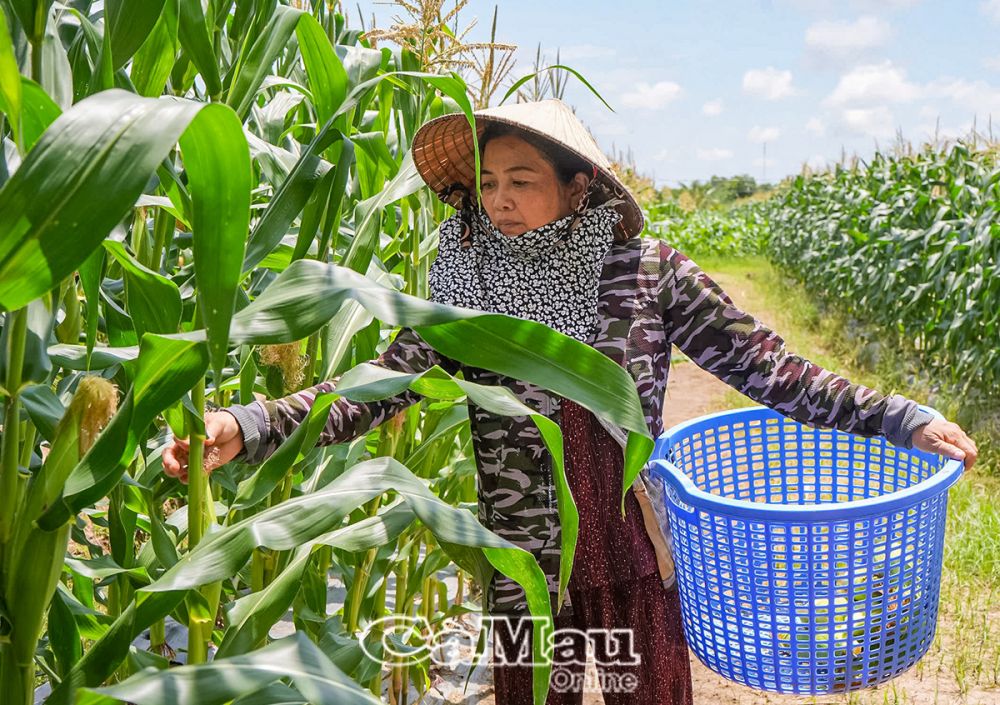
point(651, 297)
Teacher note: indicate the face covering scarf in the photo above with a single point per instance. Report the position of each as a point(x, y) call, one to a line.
point(549, 275)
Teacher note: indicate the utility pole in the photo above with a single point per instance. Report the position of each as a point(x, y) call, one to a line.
point(763, 165)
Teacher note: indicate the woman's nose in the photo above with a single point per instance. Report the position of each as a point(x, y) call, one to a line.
point(502, 198)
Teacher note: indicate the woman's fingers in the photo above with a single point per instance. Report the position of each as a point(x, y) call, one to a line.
point(949, 439)
point(951, 450)
point(174, 467)
point(175, 459)
point(959, 444)
point(223, 442)
point(967, 446)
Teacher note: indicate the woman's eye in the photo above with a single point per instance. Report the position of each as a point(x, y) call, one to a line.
point(520, 183)
point(487, 185)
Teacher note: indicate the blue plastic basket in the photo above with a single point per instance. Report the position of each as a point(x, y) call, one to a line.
point(808, 560)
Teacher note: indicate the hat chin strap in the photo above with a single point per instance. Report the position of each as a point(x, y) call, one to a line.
point(458, 197)
point(581, 209)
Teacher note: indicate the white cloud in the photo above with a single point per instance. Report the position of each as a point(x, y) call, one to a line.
point(769, 83)
point(992, 63)
point(978, 97)
point(874, 122)
point(863, 98)
point(712, 107)
point(714, 155)
point(763, 134)
point(651, 97)
point(841, 40)
point(816, 127)
point(878, 84)
point(664, 155)
point(873, 84)
point(991, 8)
point(586, 51)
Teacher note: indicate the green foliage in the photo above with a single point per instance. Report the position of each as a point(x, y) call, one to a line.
point(180, 184)
point(724, 190)
point(715, 193)
point(726, 233)
point(911, 244)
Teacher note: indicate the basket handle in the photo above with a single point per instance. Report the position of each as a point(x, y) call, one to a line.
point(679, 483)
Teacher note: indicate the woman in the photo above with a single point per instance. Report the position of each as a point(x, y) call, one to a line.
point(556, 241)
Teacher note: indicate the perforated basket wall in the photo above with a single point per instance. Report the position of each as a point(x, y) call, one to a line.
point(808, 560)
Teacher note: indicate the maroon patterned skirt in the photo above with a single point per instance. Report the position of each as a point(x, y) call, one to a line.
point(615, 584)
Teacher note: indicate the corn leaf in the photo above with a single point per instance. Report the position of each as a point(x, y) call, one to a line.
point(219, 682)
point(102, 151)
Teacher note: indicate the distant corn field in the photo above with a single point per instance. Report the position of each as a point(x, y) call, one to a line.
point(910, 243)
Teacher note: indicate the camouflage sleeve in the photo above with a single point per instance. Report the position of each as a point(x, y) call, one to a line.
point(265, 425)
point(733, 345)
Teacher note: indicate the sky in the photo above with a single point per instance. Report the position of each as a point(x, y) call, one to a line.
point(711, 87)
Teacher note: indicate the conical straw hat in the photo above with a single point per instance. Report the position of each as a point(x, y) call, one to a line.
point(444, 156)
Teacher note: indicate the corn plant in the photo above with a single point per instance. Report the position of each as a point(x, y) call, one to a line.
point(732, 232)
point(199, 204)
point(911, 243)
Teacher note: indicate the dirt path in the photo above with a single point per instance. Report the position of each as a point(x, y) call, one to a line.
point(939, 679)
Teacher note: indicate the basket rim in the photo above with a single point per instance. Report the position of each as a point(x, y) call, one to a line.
point(692, 495)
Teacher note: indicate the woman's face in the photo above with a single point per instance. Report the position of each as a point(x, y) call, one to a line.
point(521, 190)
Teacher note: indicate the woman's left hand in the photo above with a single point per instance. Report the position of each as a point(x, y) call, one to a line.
point(946, 438)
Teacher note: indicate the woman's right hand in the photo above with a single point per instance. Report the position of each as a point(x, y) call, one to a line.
point(224, 439)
